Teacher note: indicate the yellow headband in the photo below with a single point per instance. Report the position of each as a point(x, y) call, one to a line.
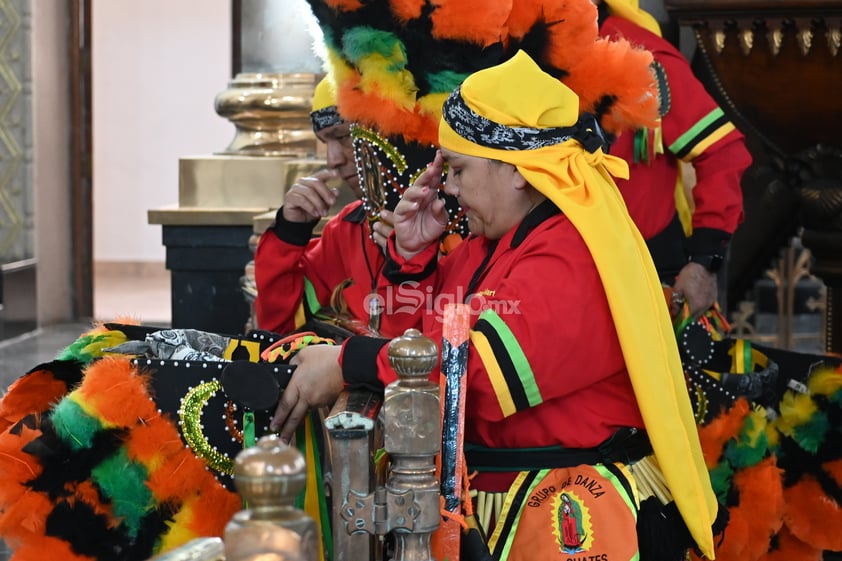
point(324, 95)
point(518, 93)
point(325, 113)
point(630, 10)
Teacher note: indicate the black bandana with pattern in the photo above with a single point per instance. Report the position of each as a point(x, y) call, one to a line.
point(325, 117)
point(474, 127)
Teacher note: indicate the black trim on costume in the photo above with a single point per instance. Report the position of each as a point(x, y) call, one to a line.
point(512, 515)
point(708, 241)
point(359, 362)
point(480, 271)
point(507, 367)
point(668, 250)
point(392, 271)
point(356, 216)
point(295, 233)
point(703, 134)
point(664, 94)
point(621, 477)
point(544, 211)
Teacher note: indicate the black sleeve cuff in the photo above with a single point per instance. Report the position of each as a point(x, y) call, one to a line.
point(295, 233)
point(392, 271)
point(359, 362)
point(708, 241)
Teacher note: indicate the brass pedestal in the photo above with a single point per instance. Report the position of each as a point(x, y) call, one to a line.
point(207, 234)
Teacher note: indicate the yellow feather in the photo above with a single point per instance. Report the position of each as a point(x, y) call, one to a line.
point(796, 409)
point(825, 382)
point(758, 426)
point(431, 103)
point(179, 532)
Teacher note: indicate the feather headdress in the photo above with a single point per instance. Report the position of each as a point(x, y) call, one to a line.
point(396, 61)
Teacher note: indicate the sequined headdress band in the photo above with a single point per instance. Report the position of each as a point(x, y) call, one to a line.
point(324, 118)
point(485, 132)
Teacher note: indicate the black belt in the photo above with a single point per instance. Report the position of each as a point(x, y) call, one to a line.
point(627, 445)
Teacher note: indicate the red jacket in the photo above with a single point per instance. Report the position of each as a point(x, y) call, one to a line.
point(695, 130)
point(545, 364)
point(294, 270)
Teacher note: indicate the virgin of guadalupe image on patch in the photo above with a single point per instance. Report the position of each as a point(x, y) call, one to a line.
point(572, 530)
point(580, 513)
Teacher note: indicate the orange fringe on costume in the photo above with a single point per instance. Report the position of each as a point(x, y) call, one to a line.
point(636, 104)
point(47, 548)
point(790, 548)
point(391, 119)
point(114, 392)
point(406, 10)
point(811, 516)
point(714, 435)
point(345, 5)
point(33, 393)
point(479, 22)
point(758, 514)
point(175, 474)
point(571, 27)
point(109, 377)
point(22, 512)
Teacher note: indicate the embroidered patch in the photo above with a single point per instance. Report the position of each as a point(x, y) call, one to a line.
point(584, 513)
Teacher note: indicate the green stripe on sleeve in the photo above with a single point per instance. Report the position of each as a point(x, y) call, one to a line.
point(690, 137)
point(516, 355)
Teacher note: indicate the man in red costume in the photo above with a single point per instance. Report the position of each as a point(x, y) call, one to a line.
point(299, 275)
point(693, 130)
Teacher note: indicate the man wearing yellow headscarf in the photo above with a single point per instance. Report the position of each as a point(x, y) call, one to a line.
point(687, 236)
point(573, 370)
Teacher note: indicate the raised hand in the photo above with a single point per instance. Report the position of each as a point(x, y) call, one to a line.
point(310, 198)
point(420, 218)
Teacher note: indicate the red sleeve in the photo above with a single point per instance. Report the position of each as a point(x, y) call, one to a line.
point(717, 153)
point(280, 282)
point(290, 271)
point(695, 130)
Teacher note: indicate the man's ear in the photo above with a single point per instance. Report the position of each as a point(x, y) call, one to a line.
point(518, 180)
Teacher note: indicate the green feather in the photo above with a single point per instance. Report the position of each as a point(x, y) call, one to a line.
point(445, 81)
point(812, 434)
point(749, 447)
point(361, 42)
point(73, 425)
point(330, 39)
point(744, 456)
point(124, 483)
point(89, 346)
point(720, 480)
